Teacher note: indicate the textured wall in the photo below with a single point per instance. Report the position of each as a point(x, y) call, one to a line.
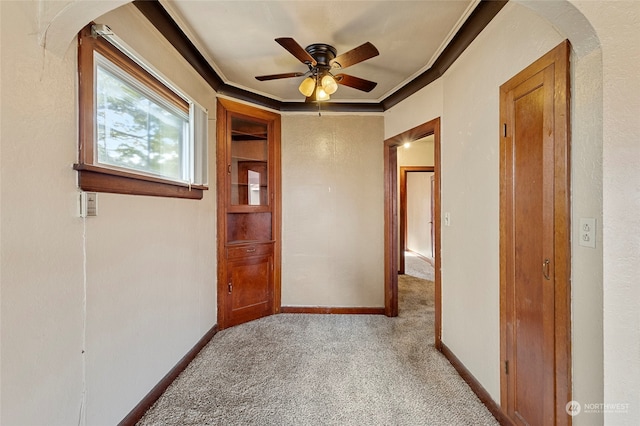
point(616, 24)
point(146, 265)
point(333, 204)
point(149, 304)
point(586, 279)
point(41, 254)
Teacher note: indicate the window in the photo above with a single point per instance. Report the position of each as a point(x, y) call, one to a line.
point(138, 133)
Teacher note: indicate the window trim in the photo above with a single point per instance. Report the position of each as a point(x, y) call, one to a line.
point(93, 176)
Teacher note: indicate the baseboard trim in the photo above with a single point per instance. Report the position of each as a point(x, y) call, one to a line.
point(330, 310)
point(429, 260)
point(475, 386)
point(139, 410)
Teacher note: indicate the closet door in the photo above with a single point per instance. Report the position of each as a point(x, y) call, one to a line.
point(534, 243)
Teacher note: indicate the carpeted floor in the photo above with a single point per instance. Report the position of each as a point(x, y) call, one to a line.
point(298, 369)
point(417, 267)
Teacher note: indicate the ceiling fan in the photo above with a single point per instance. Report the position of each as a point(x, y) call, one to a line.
point(322, 59)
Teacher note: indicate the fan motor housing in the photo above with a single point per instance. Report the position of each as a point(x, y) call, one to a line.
point(322, 53)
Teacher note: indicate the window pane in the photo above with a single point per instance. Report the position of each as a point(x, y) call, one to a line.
point(137, 132)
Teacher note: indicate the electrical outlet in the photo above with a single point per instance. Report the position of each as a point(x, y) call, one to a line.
point(587, 235)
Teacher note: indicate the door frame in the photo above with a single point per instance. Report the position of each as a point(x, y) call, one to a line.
point(403, 210)
point(391, 218)
point(558, 58)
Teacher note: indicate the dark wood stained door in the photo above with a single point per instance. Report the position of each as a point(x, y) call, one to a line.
point(532, 292)
point(534, 201)
point(249, 284)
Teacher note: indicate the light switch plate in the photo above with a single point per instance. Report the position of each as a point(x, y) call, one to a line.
point(88, 204)
point(587, 235)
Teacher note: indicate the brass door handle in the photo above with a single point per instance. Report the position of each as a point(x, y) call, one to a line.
point(545, 269)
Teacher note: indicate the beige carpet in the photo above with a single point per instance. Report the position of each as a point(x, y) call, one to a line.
point(418, 267)
point(298, 369)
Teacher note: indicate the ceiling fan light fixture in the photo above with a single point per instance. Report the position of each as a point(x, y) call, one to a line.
point(321, 94)
point(329, 84)
point(320, 58)
point(307, 86)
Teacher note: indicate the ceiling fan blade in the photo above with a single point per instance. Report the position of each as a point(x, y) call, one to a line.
point(277, 76)
point(354, 56)
point(355, 82)
point(296, 50)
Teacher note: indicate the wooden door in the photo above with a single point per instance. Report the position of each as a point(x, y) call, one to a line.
point(535, 251)
point(249, 288)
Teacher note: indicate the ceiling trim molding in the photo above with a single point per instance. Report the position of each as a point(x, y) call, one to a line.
point(164, 23)
point(330, 107)
point(160, 18)
point(477, 21)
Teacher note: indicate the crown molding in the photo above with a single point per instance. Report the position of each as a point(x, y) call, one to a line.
point(477, 21)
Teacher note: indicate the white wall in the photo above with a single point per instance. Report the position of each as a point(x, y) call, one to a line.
point(146, 265)
point(332, 203)
point(419, 213)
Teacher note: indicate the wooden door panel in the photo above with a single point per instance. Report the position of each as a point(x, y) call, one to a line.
point(249, 296)
point(532, 341)
point(534, 223)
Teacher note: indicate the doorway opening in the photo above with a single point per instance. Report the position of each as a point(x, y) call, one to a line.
point(393, 248)
point(416, 207)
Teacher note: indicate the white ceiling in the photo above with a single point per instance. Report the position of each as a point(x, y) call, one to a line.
point(237, 38)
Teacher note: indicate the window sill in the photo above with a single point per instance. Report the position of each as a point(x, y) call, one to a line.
point(98, 179)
